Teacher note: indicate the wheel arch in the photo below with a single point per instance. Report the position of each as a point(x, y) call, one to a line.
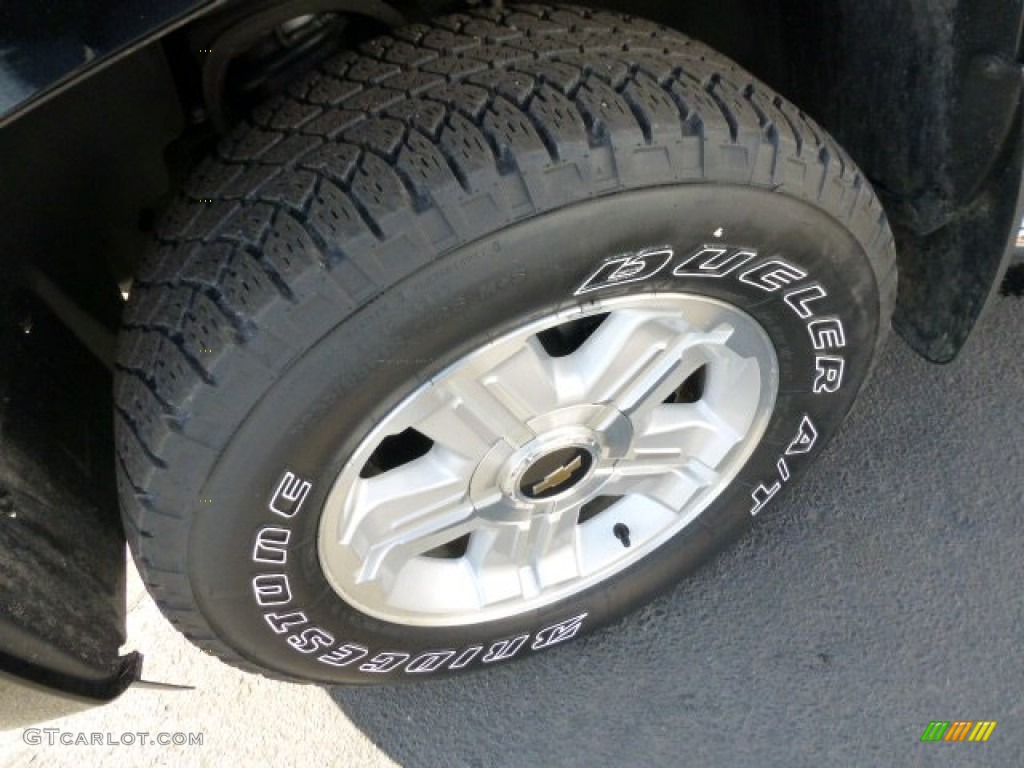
point(932, 115)
point(926, 99)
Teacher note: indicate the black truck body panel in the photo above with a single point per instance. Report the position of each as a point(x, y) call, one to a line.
point(62, 574)
point(46, 45)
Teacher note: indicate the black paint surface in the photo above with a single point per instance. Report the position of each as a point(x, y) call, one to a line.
point(46, 42)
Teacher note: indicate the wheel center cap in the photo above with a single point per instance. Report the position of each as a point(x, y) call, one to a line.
point(558, 465)
point(555, 473)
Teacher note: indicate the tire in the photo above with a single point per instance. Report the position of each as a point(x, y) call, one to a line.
point(521, 177)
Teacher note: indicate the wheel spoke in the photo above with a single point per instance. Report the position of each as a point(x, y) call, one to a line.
point(521, 560)
point(493, 553)
point(636, 359)
point(389, 553)
point(489, 400)
point(525, 382)
point(408, 510)
point(669, 480)
point(733, 394)
point(553, 549)
point(656, 466)
point(686, 429)
point(464, 419)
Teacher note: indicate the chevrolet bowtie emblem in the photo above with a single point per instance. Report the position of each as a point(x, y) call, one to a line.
point(559, 477)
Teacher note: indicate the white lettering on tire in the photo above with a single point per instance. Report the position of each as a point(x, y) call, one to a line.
point(503, 650)
point(772, 275)
point(290, 494)
point(271, 545)
point(282, 622)
point(273, 590)
point(714, 262)
point(431, 661)
point(466, 657)
point(764, 493)
point(827, 333)
point(799, 299)
point(558, 633)
point(805, 439)
point(385, 661)
point(828, 374)
point(311, 640)
point(343, 655)
point(802, 443)
point(769, 275)
point(629, 268)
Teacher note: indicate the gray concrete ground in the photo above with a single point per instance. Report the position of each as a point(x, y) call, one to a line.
point(245, 720)
point(882, 593)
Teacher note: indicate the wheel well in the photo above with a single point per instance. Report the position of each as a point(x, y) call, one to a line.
point(106, 155)
point(931, 114)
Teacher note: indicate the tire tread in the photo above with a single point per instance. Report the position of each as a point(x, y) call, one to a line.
point(433, 135)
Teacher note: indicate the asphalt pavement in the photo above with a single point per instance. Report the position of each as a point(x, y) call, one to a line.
point(882, 593)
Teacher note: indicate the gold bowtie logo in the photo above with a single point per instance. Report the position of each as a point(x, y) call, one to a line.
point(558, 477)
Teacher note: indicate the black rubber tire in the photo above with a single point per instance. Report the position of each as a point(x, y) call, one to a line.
point(399, 206)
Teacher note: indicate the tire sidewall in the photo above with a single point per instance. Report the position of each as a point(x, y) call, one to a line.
point(319, 410)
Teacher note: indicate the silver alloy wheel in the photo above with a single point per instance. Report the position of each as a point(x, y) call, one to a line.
point(548, 460)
